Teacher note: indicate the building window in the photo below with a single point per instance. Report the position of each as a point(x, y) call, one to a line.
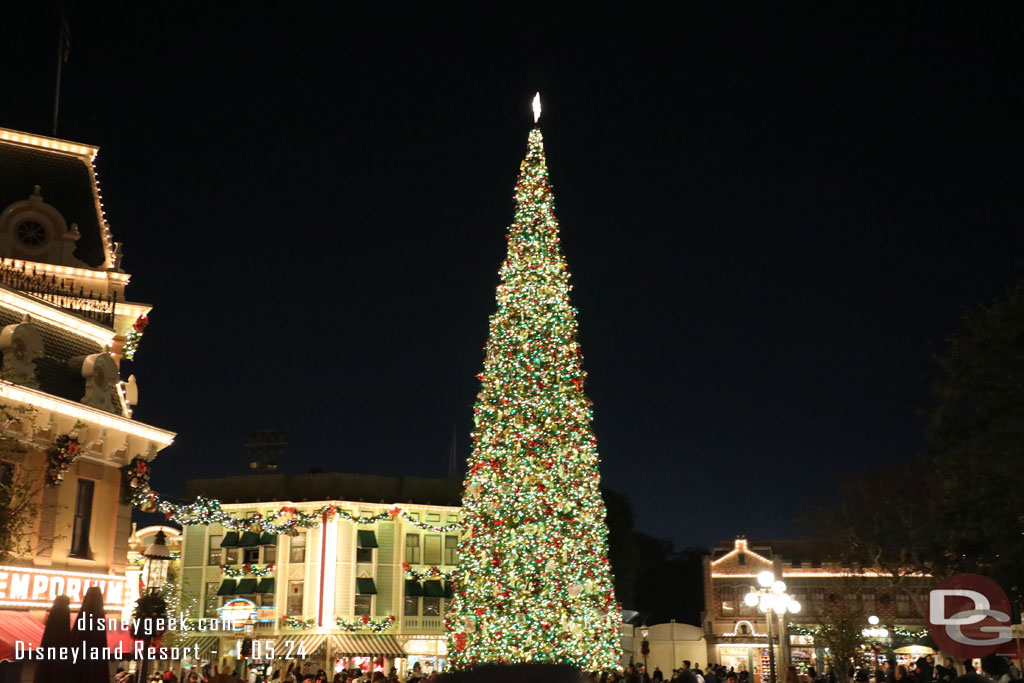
point(83, 519)
point(741, 559)
point(364, 605)
point(366, 541)
point(817, 601)
point(451, 550)
point(6, 483)
point(432, 549)
point(412, 607)
point(230, 555)
point(869, 599)
point(269, 554)
point(294, 607)
point(297, 550)
point(728, 595)
point(266, 599)
point(251, 555)
point(213, 556)
point(431, 607)
point(904, 608)
point(412, 548)
point(210, 601)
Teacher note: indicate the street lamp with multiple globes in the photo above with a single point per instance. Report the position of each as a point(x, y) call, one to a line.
point(772, 599)
point(875, 633)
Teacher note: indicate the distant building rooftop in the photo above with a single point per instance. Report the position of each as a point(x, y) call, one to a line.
point(367, 488)
point(790, 550)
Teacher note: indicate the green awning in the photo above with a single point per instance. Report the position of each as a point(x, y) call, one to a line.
point(246, 586)
point(265, 586)
point(230, 540)
point(365, 538)
point(249, 539)
point(268, 539)
point(365, 587)
point(413, 589)
point(433, 589)
point(449, 592)
point(227, 587)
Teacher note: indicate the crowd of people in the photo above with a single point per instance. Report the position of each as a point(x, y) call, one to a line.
point(293, 673)
point(994, 669)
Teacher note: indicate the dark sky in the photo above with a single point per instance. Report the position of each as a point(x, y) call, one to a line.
point(773, 216)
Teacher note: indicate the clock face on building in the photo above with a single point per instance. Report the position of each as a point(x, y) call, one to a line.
point(31, 233)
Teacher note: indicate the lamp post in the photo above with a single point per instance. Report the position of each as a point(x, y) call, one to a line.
point(771, 598)
point(875, 632)
point(158, 557)
point(645, 647)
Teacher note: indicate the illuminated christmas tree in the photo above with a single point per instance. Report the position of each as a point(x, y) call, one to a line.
point(534, 583)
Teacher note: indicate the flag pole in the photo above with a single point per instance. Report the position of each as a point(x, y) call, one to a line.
point(62, 55)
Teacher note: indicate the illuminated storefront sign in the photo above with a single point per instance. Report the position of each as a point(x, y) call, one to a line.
point(31, 587)
point(237, 612)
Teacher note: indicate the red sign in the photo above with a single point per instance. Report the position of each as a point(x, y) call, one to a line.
point(31, 587)
point(969, 616)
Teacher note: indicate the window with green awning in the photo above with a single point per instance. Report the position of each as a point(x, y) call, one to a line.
point(448, 591)
point(413, 589)
point(268, 539)
point(230, 540)
point(249, 539)
point(245, 587)
point(265, 586)
point(365, 587)
point(365, 538)
point(433, 589)
point(227, 587)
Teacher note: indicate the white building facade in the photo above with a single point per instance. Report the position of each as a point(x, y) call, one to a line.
point(339, 595)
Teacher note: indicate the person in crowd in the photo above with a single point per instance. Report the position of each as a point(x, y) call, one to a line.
point(657, 676)
point(711, 675)
point(995, 668)
point(902, 675)
point(686, 673)
point(945, 672)
point(969, 667)
point(791, 675)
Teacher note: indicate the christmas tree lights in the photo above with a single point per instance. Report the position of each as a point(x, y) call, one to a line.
point(534, 583)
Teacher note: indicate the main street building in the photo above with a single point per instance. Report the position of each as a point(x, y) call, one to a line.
point(68, 436)
point(350, 594)
point(826, 586)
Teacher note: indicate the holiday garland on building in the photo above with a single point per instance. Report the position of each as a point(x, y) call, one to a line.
point(428, 573)
point(296, 623)
point(248, 568)
point(285, 520)
point(365, 623)
point(134, 336)
point(61, 456)
point(534, 583)
point(135, 483)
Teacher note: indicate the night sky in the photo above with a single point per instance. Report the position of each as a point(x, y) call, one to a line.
point(773, 216)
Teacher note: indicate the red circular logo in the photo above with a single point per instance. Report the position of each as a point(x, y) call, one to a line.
point(969, 616)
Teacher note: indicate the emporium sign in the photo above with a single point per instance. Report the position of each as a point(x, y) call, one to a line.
point(31, 587)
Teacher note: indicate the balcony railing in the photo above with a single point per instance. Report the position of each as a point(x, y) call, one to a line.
point(423, 624)
point(53, 291)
